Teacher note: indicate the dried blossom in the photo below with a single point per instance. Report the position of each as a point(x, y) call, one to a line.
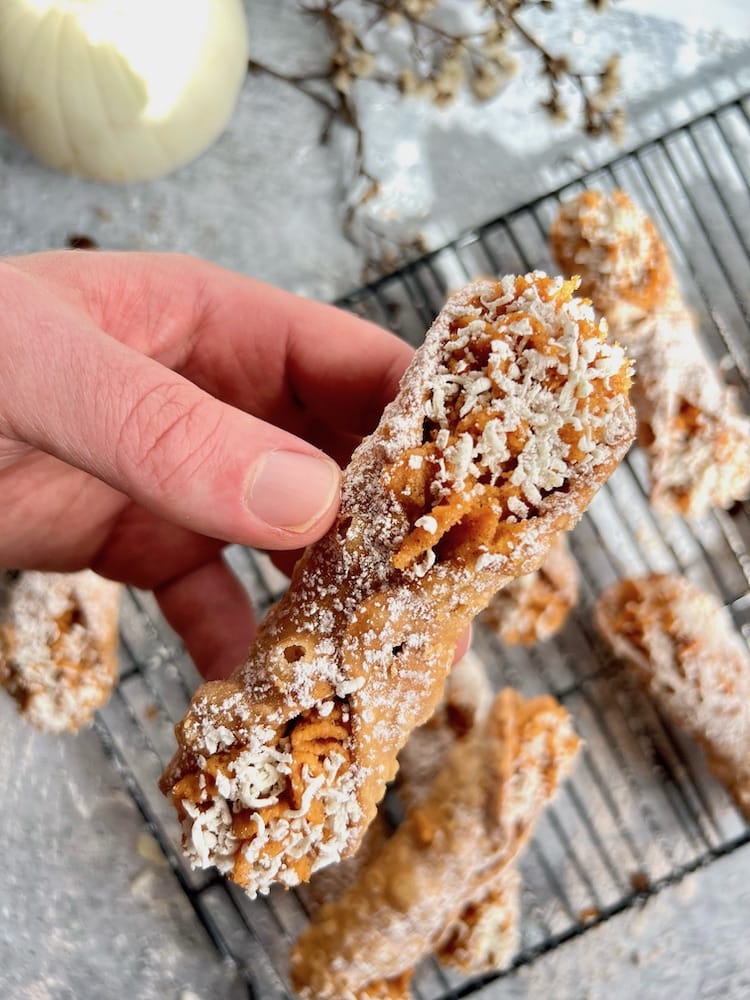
point(439, 64)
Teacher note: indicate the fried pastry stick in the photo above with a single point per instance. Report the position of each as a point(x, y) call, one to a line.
point(58, 645)
point(479, 812)
point(485, 935)
point(509, 419)
point(695, 437)
point(681, 645)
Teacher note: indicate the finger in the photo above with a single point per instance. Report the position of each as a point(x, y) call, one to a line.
point(150, 433)
point(224, 331)
point(210, 611)
point(145, 551)
point(463, 645)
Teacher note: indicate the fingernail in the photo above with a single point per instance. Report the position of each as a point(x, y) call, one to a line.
point(291, 491)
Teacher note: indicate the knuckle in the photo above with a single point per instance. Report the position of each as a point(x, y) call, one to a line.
point(168, 434)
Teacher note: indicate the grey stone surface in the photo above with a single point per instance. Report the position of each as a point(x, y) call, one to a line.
point(87, 912)
point(84, 914)
point(689, 942)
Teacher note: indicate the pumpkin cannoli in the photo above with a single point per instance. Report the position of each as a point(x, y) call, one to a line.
point(450, 851)
point(485, 935)
point(509, 419)
point(689, 424)
point(58, 645)
point(681, 645)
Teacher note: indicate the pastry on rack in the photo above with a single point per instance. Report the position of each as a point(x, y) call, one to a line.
point(485, 935)
point(535, 607)
point(681, 645)
point(465, 702)
point(695, 437)
point(58, 645)
point(451, 850)
point(509, 419)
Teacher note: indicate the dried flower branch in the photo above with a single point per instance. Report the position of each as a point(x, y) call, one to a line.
point(436, 64)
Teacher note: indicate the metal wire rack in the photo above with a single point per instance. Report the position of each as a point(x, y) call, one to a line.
point(641, 810)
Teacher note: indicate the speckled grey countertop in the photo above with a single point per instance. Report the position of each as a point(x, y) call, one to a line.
point(88, 910)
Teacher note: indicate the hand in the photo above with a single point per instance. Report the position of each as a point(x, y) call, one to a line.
point(154, 408)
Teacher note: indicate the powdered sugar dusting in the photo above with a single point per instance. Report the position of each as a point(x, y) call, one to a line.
point(681, 644)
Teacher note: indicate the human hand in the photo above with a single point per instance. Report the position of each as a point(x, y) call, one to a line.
point(155, 407)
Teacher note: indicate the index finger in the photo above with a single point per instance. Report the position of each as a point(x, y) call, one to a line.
point(273, 354)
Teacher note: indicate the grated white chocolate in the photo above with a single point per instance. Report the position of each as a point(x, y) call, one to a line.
point(681, 644)
point(366, 632)
point(689, 423)
point(58, 645)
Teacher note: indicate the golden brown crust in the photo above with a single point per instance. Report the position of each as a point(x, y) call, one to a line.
point(689, 424)
point(512, 415)
point(58, 645)
point(479, 812)
point(485, 936)
point(535, 607)
point(680, 643)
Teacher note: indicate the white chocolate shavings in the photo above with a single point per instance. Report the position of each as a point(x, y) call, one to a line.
point(256, 778)
point(607, 236)
point(427, 522)
point(520, 397)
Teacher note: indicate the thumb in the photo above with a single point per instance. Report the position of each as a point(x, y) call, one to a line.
point(77, 394)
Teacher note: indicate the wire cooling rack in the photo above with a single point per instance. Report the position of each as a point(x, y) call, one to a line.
point(641, 810)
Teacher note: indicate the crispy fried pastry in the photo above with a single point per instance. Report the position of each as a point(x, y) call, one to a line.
point(58, 645)
point(689, 424)
point(510, 418)
point(465, 703)
point(535, 607)
point(478, 814)
point(485, 935)
point(680, 643)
